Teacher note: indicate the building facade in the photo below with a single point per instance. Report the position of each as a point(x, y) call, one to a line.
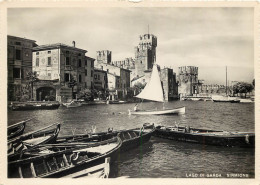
point(170, 86)
point(145, 54)
point(188, 81)
point(64, 69)
point(118, 77)
point(19, 54)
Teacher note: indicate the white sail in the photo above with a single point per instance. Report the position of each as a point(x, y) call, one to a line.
point(153, 90)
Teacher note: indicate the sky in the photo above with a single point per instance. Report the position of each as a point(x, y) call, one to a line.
point(209, 38)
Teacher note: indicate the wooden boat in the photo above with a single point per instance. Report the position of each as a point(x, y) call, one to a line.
point(41, 136)
point(72, 104)
point(207, 137)
point(226, 100)
point(180, 110)
point(131, 138)
point(99, 171)
point(61, 160)
point(153, 91)
point(16, 129)
point(35, 105)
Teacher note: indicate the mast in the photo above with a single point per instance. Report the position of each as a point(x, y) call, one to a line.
point(226, 80)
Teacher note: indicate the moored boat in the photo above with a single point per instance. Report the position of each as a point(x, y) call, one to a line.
point(16, 129)
point(41, 136)
point(35, 105)
point(61, 160)
point(72, 104)
point(131, 138)
point(207, 137)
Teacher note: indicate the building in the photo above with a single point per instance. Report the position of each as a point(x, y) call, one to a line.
point(63, 71)
point(189, 84)
point(19, 56)
point(100, 80)
point(170, 86)
point(89, 72)
point(145, 54)
point(118, 77)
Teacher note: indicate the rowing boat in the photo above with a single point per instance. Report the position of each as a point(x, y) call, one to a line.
point(131, 138)
point(41, 136)
point(62, 160)
point(17, 129)
point(206, 136)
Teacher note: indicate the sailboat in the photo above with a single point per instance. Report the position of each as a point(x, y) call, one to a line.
point(227, 98)
point(154, 91)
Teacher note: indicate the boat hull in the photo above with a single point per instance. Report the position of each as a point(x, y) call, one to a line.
point(35, 106)
point(180, 110)
point(61, 163)
point(208, 137)
point(16, 130)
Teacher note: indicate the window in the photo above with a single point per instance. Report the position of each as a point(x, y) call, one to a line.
point(49, 74)
point(92, 63)
point(49, 61)
point(79, 63)
point(86, 72)
point(67, 77)
point(98, 77)
point(79, 54)
point(86, 63)
point(91, 73)
point(67, 61)
point(95, 76)
point(108, 70)
point(37, 62)
point(37, 53)
point(67, 52)
point(49, 52)
point(18, 54)
point(79, 78)
point(17, 73)
point(18, 43)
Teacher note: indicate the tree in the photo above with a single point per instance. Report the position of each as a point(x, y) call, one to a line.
point(242, 87)
point(32, 77)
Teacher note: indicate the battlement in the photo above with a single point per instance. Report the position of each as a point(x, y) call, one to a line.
point(188, 70)
point(148, 39)
point(104, 56)
point(104, 53)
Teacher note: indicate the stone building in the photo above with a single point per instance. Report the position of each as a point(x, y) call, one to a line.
point(170, 86)
point(58, 66)
point(188, 81)
point(19, 56)
point(145, 54)
point(100, 80)
point(114, 72)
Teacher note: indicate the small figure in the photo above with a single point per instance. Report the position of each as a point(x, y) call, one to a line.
point(136, 107)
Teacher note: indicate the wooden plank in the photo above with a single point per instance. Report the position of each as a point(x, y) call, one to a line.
point(55, 162)
point(129, 135)
point(45, 166)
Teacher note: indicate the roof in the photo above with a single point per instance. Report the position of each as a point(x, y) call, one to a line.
point(100, 70)
point(20, 38)
point(55, 46)
point(117, 67)
point(90, 58)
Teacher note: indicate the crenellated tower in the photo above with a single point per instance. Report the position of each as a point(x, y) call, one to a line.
point(104, 56)
point(145, 54)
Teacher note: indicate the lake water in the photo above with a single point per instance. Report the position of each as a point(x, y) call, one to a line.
point(161, 158)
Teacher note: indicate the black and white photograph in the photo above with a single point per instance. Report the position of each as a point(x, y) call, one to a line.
point(130, 92)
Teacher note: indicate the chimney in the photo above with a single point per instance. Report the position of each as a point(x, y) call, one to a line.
point(74, 43)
